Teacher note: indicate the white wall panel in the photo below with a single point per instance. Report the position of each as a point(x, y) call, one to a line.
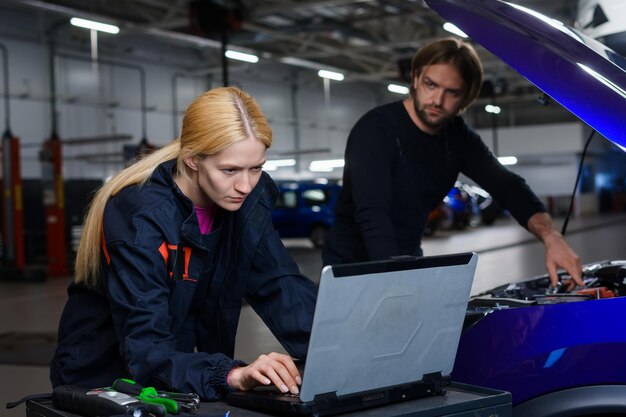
point(159, 127)
point(542, 139)
point(555, 180)
point(547, 154)
point(30, 122)
point(28, 68)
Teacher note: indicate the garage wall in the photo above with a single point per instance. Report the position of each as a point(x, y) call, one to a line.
point(529, 140)
point(547, 154)
point(94, 101)
point(306, 118)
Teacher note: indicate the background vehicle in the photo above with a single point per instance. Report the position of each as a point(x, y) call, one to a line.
point(483, 205)
point(439, 218)
point(460, 204)
point(306, 209)
point(464, 205)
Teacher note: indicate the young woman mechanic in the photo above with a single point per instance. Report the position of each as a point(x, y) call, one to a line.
point(171, 246)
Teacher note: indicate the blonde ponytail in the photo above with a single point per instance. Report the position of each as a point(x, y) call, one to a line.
point(87, 266)
point(212, 122)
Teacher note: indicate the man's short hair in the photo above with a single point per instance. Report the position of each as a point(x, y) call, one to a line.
point(451, 51)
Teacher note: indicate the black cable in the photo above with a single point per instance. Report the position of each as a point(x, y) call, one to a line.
point(580, 170)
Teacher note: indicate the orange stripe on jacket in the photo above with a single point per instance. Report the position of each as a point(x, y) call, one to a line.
point(104, 249)
point(164, 252)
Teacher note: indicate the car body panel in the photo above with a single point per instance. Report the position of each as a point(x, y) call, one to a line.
point(530, 351)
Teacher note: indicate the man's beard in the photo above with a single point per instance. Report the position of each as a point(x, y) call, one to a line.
point(423, 116)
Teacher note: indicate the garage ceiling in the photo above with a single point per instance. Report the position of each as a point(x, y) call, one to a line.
point(365, 39)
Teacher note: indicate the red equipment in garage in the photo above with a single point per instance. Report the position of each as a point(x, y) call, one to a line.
point(13, 256)
point(51, 158)
point(13, 219)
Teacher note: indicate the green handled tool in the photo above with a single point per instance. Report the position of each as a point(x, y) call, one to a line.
point(147, 395)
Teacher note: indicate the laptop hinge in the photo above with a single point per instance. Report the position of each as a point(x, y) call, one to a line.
point(435, 383)
point(400, 258)
point(325, 397)
point(326, 400)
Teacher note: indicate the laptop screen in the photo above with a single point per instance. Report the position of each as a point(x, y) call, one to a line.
point(384, 323)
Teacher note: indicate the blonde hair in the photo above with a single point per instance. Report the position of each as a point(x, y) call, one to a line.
point(212, 122)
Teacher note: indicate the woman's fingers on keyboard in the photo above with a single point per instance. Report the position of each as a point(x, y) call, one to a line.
point(277, 368)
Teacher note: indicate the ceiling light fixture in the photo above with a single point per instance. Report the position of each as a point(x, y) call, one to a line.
point(326, 165)
point(93, 25)
point(399, 89)
point(299, 62)
point(331, 75)
point(490, 108)
point(241, 56)
point(507, 160)
point(273, 165)
point(453, 29)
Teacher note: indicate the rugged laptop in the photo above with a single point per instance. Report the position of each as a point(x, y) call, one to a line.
point(383, 331)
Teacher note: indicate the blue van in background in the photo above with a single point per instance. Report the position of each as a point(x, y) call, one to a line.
point(306, 209)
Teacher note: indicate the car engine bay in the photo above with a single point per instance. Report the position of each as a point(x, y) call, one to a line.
point(603, 279)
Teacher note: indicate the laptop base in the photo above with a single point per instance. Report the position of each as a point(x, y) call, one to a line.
point(329, 404)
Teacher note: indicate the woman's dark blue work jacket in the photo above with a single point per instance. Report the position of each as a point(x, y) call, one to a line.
point(167, 311)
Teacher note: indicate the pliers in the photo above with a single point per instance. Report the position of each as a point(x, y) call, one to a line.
point(173, 402)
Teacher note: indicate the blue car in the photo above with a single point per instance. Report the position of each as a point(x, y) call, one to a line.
point(556, 352)
point(460, 207)
point(559, 352)
point(306, 209)
point(463, 206)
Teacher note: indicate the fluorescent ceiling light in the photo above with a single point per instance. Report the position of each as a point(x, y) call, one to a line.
point(490, 108)
point(332, 75)
point(507, 160)
point(184, 37)
point(299, 62)
point(242, 56)
point(453, 29)
point(326, 165)
point(400, 89)
point(90, 24)
point(273, 165)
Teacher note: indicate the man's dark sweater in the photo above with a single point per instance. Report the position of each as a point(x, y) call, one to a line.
point(395, 174)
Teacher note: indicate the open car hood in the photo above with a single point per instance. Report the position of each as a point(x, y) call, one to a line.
point(579, 72)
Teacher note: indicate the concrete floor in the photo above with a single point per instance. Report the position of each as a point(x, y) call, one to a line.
point(507, 254)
